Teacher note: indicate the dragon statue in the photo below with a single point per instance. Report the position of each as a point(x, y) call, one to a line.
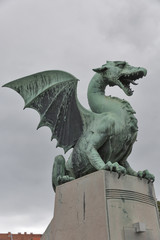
point(101, 138)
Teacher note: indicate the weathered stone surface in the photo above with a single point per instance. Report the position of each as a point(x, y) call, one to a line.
point(101, 206)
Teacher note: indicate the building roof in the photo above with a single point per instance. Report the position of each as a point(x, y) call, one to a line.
point(19, 236)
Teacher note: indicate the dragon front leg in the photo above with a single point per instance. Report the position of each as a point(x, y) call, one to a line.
point(99, 164)
point(140, 174)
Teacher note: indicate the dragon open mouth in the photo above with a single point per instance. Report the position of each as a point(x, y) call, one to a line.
point(126, 79)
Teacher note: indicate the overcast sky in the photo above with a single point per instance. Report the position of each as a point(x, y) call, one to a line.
point(74, 36)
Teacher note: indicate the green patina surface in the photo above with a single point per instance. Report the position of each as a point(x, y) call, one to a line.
point(102, 138)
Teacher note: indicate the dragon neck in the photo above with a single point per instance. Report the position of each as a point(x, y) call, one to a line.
point(97, 100)
point(100, 103)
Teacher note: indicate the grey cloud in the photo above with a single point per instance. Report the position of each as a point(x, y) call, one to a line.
point(74, 36)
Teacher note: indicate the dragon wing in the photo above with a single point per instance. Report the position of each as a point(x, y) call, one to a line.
point(53, 95)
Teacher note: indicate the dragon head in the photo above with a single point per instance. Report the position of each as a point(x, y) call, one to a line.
point(120, 73)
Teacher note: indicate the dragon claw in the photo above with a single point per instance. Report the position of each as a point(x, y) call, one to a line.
point(115, 167)
point(64, 179)
point(147, 175)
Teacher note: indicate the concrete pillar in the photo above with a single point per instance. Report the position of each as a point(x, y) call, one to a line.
point(101, 206)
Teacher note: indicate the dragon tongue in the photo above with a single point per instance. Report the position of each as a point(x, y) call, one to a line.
point(133, 82)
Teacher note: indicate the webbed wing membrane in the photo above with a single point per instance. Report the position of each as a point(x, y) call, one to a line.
point(53, 95)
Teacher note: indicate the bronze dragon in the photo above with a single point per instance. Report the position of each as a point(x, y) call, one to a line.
point(102, 138)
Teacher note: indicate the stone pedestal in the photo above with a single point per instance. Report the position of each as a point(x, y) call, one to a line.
point(101, 206)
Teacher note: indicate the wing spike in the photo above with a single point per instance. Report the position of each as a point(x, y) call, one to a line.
point(57, 145)
point(40, 125)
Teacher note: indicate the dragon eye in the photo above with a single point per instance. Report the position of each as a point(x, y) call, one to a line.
point(121, 65)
